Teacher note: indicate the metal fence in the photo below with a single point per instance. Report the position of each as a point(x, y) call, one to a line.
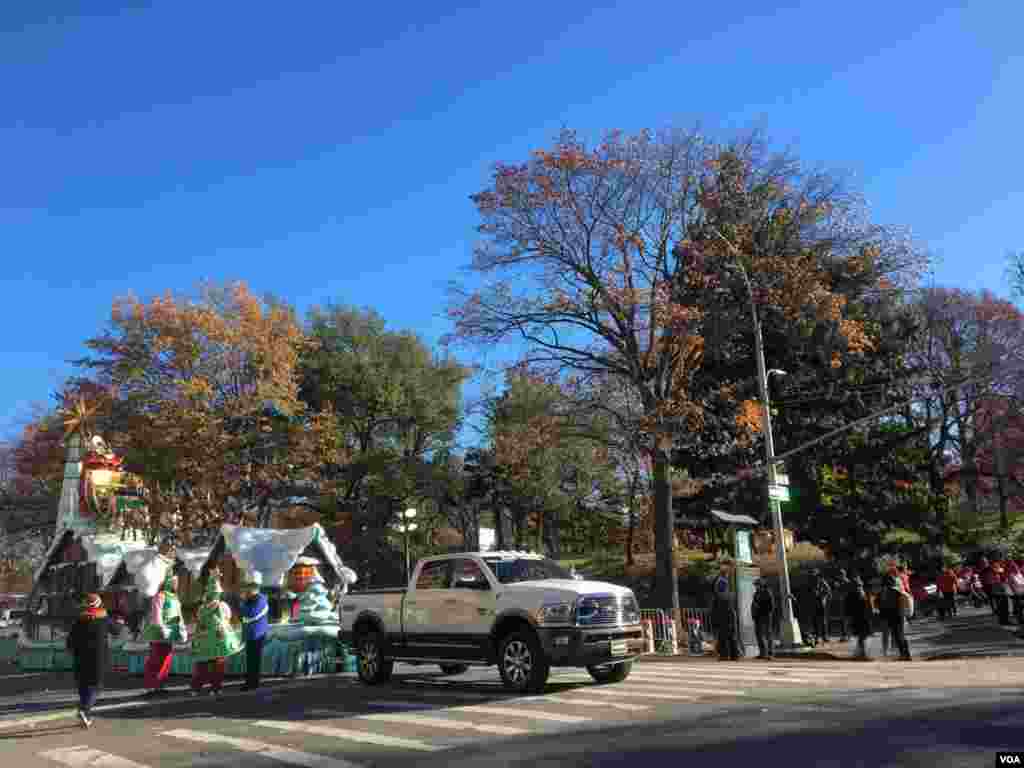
point(666, 637)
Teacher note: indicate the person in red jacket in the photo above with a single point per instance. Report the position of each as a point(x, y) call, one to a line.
point(948, 587)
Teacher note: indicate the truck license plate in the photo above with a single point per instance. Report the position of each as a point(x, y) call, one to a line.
point(619, 648)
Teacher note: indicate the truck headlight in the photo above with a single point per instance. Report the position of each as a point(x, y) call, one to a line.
point(555, 613)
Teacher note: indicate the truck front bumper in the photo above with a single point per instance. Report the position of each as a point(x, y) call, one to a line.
point(575, 647)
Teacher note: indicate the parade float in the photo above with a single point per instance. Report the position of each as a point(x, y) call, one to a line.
point(94, 549)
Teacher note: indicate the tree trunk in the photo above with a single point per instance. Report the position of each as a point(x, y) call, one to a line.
point(1001, 472)
point(499, 528)
point(666, 582)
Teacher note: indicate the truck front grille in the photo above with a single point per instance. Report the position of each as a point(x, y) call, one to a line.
point(606, 610)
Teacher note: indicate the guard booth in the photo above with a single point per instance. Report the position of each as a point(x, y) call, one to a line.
point(739, 530)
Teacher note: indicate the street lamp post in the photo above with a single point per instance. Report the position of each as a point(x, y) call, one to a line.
point(407, 528)
point(790, 629)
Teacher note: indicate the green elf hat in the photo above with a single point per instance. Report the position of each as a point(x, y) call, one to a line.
point(213, 587)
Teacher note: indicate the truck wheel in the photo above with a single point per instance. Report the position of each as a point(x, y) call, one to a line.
point(372, 666)
point(454, 669)
point(615, 673)
point(521, 663)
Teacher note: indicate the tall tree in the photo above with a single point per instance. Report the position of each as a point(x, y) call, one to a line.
point(207, 404)
point(616, 261)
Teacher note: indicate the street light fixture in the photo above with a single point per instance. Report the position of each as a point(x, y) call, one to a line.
point(791, 637)
point(407, 527)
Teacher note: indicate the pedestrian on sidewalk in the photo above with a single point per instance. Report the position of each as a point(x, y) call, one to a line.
point(88, 645)
point(1002, 594)
point(255, 624)
point(214, 641)
point(894, 606)
point(843, 587)
point(857, 608)
point(1016, 579)
point(822, 597)
point(164, 629)
point(948, 587)
point(724, 616)
point(762, 610)
point(987, 575)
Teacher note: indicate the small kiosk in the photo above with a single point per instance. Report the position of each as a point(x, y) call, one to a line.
point(739, 529)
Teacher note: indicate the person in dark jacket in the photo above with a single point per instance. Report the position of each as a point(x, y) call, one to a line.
point(254, 613)
point(822, 596)
point(857, 610)
point(87, 643)
point(890, 607)
point(762, 610)
point(842, 587)
point(724, 617)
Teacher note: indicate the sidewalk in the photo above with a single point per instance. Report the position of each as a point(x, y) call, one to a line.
point(973, 633)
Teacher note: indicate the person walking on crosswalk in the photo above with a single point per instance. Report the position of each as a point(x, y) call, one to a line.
point(762, 610)
point(87, 643)
point(948, 587)
point(857, 610)
point(822, 597)
point(893, 606)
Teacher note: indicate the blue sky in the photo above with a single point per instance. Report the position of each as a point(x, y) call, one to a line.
point(326, 151)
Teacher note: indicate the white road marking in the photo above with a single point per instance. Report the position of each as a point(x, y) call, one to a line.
point(29, 722)
point(698, 689)
point(709, 677)
point(401, 705)
point(528, 714)
point(347, 735)
point(271, 751)
point(572, 699)
point(440, 722)
point(84, 756)
point(627, 693)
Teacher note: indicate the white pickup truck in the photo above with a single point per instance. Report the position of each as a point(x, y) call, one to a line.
point(520, 611)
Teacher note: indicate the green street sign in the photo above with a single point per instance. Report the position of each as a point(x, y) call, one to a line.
point(778, 492)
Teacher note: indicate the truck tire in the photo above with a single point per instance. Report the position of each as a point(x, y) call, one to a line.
point(372, 667)
point(614, 673)
point(521, 662)
point(454, 669)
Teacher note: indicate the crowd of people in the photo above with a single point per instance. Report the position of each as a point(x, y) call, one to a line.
point(212, 643)
point(886, 605)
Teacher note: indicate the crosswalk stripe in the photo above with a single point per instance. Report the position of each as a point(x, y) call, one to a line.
point(528, 714)
point(84, 756)
point(271, 751)
point(440, 722)
point(734, 668)
point(347, 735)
point(705, 678)
point(700, 689)
point(572, 699)
point(627, 693)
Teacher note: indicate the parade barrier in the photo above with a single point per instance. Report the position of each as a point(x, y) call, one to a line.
point(663, 636)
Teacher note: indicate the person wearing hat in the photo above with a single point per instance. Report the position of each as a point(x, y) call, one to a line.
point(891, 606)
point(762, 611)
point(254, 613)
point(857, 610)
point(724, 616)
point(87, 643)
point(164, 628)
point(214, 639)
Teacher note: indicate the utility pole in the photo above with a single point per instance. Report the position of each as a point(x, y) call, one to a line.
point(791, 637)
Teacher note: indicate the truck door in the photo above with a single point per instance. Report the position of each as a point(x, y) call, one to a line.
point(472, 607)
point(423, 622)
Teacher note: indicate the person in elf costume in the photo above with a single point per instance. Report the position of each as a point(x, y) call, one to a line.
point(164, 628)
point(87, 643)
point(214, 639)
point(255, 622)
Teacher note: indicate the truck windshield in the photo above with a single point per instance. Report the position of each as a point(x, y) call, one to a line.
point(512, 570)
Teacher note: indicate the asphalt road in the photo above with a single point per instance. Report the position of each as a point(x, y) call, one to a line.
point(764, 713)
